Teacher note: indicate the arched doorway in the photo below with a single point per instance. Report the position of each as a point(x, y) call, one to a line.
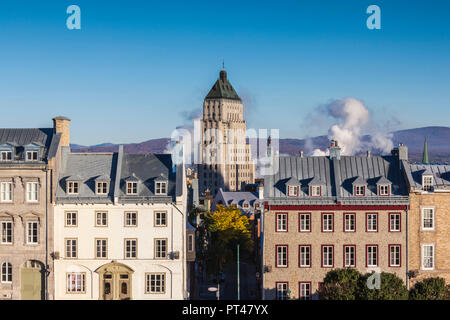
point(32, 280)
point(115, 281)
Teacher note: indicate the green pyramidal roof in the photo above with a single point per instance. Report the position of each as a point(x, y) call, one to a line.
point(222, 89)
point(425, 152)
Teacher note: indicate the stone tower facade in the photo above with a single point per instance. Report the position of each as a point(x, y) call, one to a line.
point(226, 160)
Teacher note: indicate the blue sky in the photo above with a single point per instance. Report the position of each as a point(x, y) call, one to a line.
point(135, 66)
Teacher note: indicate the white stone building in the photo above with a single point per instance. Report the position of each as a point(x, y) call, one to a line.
point(120, 227)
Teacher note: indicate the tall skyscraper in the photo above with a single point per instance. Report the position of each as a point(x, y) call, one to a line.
point(226, 160)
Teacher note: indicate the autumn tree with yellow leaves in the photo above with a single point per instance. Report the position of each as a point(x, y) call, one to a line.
point(228, 227)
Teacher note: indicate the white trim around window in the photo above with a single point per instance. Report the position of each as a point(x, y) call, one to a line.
point(427, 256)
point(427, 220)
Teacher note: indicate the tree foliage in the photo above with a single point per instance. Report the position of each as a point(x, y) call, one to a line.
point(430, 289)
point(340, 284)
point(391, 287)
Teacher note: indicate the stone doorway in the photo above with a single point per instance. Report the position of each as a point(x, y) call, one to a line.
point(115, 281)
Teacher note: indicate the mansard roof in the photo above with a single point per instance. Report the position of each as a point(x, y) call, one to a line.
point(222, 89)
point(440, 173)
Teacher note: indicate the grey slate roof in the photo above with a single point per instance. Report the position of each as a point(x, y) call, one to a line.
point(237, 198)
point(44, 137)
point(116, 168)
point(440, 172)
point(338, 177)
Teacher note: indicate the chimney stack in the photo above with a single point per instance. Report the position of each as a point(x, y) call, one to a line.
point(335, 150)
point(368, 154)
point(62, 125)
point(301, 153)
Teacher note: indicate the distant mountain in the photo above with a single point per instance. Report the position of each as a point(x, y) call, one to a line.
point(438, 144)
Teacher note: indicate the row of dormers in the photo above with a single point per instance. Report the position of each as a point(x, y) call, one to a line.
point(11, 152)
point(359, 187)
point(132, 185)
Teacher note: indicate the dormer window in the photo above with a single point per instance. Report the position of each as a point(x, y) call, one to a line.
point(316, 191)
point(292, 191)
point(101, 187)
point(383, 190)
point(73, 187)
point(131, 187)
point(360, 190)
point(5, 155)
point(427, 182)
point(161, 188)
point(32, 155)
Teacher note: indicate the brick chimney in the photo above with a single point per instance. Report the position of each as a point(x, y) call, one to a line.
point(335, 150)
point(62, 125)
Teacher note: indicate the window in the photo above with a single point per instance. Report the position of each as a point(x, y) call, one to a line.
point(101, 248)
point(6, 192)
point(161, 188)
point(76, 282)
point(292, 191)
point(371, 222)
point(130, 248)
point(327, 256)
point(32, 232)
point(160, 248)
point(394, 222)
point(130, 219)
point(190, 243)
point(102, 187)
point(6, 272)
point(349, 222)
point(71, 219)
point(428, 256)
point(327, 222)
point(305, 290)
point(371, 256)
point(360, 190)
point(155, 283)
point(394, 255)
point(71, 248)
point(316, 191)
point(282, 222)
point(160, 219)
point(383, 190)
point(427, 218)
point(131, 187)
point(281, 252)
point(305, 256)
point(5, 155)
point(32, 191)
point(349, 256)
point(101, 219)
point(282, 290)
point(427, 183)
point(32, 155)
point(305, 222)
point(6, 232)
point(73, 187)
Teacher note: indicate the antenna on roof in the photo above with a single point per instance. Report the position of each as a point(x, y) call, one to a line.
point(223, 64)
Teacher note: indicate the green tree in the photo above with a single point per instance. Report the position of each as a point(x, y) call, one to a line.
point(391, 288)
point(340, 284)
point(430, 289)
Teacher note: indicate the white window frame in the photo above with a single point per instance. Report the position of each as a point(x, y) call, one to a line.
point(70, 216)
point(282, 256)
point(32, 232)
point(73, 187)
point(282, 288)
point(282, 222)
point(75, 282)
point(327, 256)
point(360, 190)
point(370, 217)
point(349, 256)
point(393, 227)
point(32, 153)
point(101, 248)
point(326, 225)
point(394, 255)
point(6, 271)
point(129, 218)
point(155, 283)
point(383, 190)
point(130, 248)
point(101, 187)
point(305, 290)
point(101, 221)
point(427, 182)
point(6, 190)
point(132, 188)
point(433, 218)
point(347, 225)
point(305, 256)
point(292, 191)
point(6, 231)
point(32, 191)
point(159, 217)
point(70, 244)
point(161, 188)
point(316, 191)
point(161, 248)
point(432, 257)
point(371, 256)
point(4, 155)
point(305, 221)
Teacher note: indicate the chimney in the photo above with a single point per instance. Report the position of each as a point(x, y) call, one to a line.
point(223, 75)
point(401, 152)
point(335, 150)
point(301, 153)
point(368, 154)
point(261, 192)
point(62, 125)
